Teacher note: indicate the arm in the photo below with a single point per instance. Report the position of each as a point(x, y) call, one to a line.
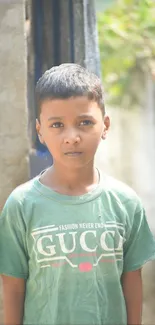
point(132, 289)
point(13, 300)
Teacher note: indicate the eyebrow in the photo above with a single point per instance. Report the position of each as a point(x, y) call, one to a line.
point(61, 117)
point(85, 116)
point(55, 118)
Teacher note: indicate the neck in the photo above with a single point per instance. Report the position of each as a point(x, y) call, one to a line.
point(85, 175)
point(71, 181)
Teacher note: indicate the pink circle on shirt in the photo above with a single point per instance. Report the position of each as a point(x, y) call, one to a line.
point(85, 267)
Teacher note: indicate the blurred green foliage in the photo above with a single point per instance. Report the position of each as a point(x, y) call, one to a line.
point(127, 47)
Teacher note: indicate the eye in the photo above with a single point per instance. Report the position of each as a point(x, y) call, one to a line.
point(86, 122)
point(57, 125)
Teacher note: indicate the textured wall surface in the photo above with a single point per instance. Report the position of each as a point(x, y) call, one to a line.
point(128, 154)
point(13, 112)
point(13, 115)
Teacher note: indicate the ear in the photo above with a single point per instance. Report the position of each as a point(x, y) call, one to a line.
point(106, 122)
point(38, 129)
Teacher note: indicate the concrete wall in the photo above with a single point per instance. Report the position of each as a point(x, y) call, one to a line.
point(13, 111)
point(128, 154)
point(13, 115)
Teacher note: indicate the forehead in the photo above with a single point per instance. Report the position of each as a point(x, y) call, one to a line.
point(73, 106)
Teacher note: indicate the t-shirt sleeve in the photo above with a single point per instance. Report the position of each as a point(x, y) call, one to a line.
point(13, 249)
point(139, 247)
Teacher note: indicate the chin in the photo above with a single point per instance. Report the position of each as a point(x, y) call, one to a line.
point(77, 164)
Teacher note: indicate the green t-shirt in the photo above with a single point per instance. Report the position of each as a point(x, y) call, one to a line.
point(72, 250)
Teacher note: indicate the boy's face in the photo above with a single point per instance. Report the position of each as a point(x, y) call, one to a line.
point(72, 130)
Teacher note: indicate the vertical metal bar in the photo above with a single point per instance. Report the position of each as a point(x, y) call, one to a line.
point(38, 18)
point(56, 31)
point(38, 36)
point(71, 18)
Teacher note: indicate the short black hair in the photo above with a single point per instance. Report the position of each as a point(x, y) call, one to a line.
point(69, 80)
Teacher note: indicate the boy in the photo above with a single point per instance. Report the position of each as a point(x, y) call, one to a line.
point(73, 241)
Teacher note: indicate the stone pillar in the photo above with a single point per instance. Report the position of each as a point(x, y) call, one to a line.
point(13, 108)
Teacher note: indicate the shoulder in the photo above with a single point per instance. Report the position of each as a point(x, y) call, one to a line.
point(122, 193)
point(119, 188)
point(20, 194)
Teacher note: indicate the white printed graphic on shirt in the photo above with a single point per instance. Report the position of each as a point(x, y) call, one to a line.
point(51, 247)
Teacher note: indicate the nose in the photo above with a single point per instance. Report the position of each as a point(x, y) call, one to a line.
point(71, 137)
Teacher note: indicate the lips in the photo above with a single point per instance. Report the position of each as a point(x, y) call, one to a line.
point(73, 153)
